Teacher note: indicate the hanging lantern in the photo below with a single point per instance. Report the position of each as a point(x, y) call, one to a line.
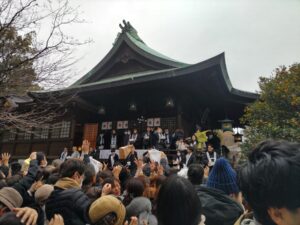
point(101, 110)
point(170, 103)
point(132, 106)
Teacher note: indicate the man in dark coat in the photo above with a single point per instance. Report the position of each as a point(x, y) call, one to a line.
point(155, 138)
point(68, 199)
point(190, 156)
point(168, 138)
point(113, 141)
point(130, 161)
point(147, 138)
point(113, 158)
point(218, 207)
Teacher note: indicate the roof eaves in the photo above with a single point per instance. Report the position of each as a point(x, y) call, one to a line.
point(245, 93)
point(123, 77)
point(168, 73)
point(218, 60)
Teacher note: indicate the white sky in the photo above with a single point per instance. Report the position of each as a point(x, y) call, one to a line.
point(256, 35)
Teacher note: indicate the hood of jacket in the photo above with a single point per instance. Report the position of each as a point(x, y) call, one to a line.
point(218, 208)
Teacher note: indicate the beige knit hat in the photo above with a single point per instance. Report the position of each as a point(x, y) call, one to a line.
point(11, 198)
point(105, 205)
point(43, 193)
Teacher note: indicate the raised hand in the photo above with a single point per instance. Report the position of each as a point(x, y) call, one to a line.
point(28, 215)
point(106, 189)
point(5, 158)
point(206, 171)
point(36, 185)
point(134, 221)
point(57, 220)
point(32, 156)
point(116, 171)
point(104, 166)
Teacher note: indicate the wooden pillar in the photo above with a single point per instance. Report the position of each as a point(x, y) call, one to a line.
point(72, 132)
point(179, 115)
point(14, 147)
point(30, 143)
point(48, 143)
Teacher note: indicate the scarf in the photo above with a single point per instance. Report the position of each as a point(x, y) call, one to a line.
point(101, 142)
point(67, 183)
point(167, 138)
point(133, 137)
point(114, 140)
point(146, 136)
point(211, 160)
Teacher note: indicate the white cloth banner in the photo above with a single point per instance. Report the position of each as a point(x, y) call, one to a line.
point(104, 153)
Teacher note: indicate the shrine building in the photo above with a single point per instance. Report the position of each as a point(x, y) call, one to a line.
point(134, 86)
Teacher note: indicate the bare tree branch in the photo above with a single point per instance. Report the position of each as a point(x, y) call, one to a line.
point(35, 52)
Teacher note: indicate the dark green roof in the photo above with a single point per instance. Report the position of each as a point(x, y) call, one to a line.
point(134, 78)
point(172, 68)
point(151, 51)
point(130, 37)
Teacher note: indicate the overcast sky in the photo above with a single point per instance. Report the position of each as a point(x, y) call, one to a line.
point(256, 35)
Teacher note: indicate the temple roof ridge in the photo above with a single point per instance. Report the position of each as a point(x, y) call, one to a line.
point(129, 32)
point(129, 29)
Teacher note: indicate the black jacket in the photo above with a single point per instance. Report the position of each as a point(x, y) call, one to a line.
point(192, 160)
point(116, 159)
point(72, 204)
point(25, 183)
point(154, 140)
point(130, 161)
point(23, 186)
point(95, 154)
point(218, 208)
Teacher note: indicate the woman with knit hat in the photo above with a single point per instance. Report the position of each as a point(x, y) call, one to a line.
point(223, 177)
point(221, 198)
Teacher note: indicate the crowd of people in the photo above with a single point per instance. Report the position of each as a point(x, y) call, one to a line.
point(179, 159)
point(153, 137)
point(79, 190)
point(141, 140)
point(204, 147)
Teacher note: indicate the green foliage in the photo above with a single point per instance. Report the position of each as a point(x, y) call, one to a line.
point(276, 114)
point(17, 74)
